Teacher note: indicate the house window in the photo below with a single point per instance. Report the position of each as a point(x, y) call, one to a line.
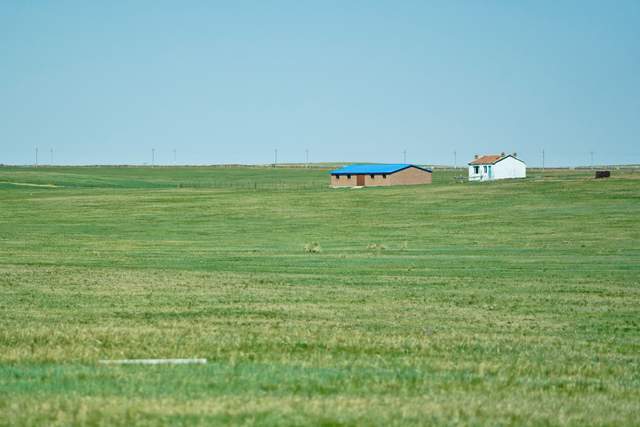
point(372, 177)
point(337, 176)
point(485, 169)
point(384, 176)
point(348, 176)
point(476, 169)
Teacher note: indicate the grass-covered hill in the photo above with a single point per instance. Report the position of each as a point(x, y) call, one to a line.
point(504, 303)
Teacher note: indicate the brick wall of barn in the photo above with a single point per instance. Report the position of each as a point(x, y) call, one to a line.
point(410, 176)
point(377, 180)
point(343, 181)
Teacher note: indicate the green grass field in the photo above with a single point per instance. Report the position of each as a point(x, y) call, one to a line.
point(507, 303)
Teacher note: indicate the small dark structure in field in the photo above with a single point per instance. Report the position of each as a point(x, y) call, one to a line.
point(603, 174)
point(380, 175)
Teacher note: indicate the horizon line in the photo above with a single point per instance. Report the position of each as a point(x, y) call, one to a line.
point(290, 164)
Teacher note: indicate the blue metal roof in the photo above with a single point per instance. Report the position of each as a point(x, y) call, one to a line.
point(374, 169)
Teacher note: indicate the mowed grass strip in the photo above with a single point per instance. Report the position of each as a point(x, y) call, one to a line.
point(502, 303)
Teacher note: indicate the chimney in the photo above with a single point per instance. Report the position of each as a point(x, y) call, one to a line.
point(502, 154)
point(515, 154)
point(475, 156)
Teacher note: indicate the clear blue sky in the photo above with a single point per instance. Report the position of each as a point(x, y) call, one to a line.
point(227, 82)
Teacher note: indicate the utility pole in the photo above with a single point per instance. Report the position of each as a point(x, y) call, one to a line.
point(36, 156)
point(174, 156)
point(306, 153)
point(404, 156)
point(543, 163)
point(153, 156)
point(275, 157)
point(455, 160)
point(591, 154)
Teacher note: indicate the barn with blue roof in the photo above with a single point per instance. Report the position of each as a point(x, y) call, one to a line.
point(375, 175)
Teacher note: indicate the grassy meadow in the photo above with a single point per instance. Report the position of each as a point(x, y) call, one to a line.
point(504, 303)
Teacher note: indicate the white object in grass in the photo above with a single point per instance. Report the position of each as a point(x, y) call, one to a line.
point(154, 362)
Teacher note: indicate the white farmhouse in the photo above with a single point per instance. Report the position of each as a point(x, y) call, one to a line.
point(498, 166)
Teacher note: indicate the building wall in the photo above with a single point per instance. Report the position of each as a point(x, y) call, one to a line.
point(377, 180)
point(408, 176)
point(473, 176)
point(482, 175)
point(510, 168)
point(343, 181)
